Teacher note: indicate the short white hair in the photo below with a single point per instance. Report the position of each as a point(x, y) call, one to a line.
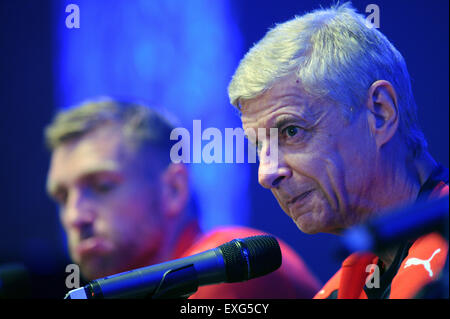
point(336, 55)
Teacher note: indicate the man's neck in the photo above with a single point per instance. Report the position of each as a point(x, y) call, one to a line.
point(424, 167)
point(416, 173)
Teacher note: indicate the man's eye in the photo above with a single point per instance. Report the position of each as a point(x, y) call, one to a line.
point(291, 131)
point(61, 198)
point(104, 187)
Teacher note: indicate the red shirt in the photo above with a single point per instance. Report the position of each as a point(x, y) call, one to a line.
point(423, 262)
point(291, 281)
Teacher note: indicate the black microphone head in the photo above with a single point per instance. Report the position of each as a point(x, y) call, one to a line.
point(251, 257)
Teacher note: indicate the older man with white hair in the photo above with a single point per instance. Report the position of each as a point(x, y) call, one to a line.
point(349, 145)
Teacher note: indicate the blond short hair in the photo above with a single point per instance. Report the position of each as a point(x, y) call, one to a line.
point(141, 125)
point(336, 55)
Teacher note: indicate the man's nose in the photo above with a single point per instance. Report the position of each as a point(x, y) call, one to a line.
point(78, 212)
point(272, 168)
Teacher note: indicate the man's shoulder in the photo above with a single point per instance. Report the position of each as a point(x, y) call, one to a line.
point(330, 289)
point(224, 234)
point(423, 265)
point(217, 237)
point(292, 280)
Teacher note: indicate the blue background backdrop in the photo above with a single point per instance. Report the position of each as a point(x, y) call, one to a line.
point(177, 56)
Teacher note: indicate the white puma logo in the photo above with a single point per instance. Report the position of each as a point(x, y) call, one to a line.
point(425, 263)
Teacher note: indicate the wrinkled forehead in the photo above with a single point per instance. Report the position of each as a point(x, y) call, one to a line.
point(284, 98)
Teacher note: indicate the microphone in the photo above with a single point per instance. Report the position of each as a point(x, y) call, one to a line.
point(235, 261)
point(396, 226)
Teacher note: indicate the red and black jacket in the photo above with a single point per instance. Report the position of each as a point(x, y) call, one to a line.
point(416, 266)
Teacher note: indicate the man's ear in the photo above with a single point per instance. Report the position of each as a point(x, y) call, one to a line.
point(383, 117)
point(175, 189)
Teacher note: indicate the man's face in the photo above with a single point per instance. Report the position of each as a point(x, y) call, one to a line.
point(323, 176)
point(108, 201)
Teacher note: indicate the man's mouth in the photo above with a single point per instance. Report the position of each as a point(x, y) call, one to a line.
point(92, 246)
point(299, 198)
